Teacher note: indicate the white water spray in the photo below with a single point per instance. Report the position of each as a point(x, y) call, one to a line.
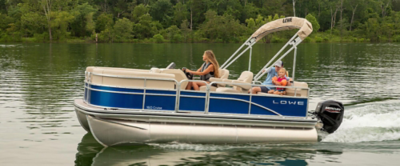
point(378, 121)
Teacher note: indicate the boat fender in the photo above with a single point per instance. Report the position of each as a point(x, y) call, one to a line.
point(331, 113)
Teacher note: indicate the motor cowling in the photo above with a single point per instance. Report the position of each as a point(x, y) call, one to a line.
point(331, 114)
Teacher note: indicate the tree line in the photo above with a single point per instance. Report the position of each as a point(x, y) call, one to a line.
point(194, 20)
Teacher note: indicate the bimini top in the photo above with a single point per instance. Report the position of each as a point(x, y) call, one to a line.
point(285, 24)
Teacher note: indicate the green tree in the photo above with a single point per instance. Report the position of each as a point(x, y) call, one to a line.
point(123, 30)
point(162, 11)
point(172, 33)
point(250, 23)
point(104, 25)
point(83, 24)
point(104, 21)
point(60, 23)
point(186, 31)
point(146, 27)
point(220, 32)
point(158, 38)
point(47, 8)
point(249, 11)
point(372, 29)
point(313, 21)
point(123, 8)
point(180, 13)
point(139, 11)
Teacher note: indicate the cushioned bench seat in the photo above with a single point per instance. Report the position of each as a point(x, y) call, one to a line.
point(114, 77)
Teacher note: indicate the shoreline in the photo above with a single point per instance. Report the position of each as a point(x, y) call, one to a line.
point(320, 37)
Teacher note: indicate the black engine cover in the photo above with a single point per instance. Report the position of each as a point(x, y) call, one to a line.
point(331, 114)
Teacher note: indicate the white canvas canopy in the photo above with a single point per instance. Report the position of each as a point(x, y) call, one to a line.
point(288, 23)
point(285, 24)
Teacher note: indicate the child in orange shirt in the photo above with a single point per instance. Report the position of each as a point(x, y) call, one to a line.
point(279, 81)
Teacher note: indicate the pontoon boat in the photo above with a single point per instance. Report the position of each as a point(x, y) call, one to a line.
point(137, 106)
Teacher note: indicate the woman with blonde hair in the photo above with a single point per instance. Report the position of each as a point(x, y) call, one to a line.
point(210, 68)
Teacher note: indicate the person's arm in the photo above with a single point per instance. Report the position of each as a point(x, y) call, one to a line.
point(275, 80)
point(206, 71)
point(288, 79)
point(198, 70)
point(267, 70)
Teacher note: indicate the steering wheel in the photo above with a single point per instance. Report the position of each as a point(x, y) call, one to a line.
point(188, 75)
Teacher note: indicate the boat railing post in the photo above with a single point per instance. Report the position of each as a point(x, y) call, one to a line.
point(205, 97)
point(308, 96)
point(250, 97)
point(88, 84)
point(294, 65)
point(233, 84)
point(144, 94)
point(178, 94)
point(84, 87)
point(207, 100)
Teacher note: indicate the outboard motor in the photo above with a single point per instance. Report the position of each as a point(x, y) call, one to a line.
point(331, 114)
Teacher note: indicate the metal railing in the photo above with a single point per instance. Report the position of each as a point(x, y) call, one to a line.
point(178, 91)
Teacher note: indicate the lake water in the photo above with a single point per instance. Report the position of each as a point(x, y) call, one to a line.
point(38, 125)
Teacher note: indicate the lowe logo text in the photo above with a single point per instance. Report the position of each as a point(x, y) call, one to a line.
point(288, 102)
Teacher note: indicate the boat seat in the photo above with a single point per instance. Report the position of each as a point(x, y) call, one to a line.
point(300, 91)
point(91, 68)
point(155, 70)
point(179, 76)
point(114, 78)
point(244, 82)
point(224, 74)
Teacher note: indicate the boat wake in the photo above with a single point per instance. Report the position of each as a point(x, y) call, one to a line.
point(193, 147)
point(369, 122)
point(226, 147)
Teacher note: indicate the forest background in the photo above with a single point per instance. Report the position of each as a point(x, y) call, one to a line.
point(147, 21)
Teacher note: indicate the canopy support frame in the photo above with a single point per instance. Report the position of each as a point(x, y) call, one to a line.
point(251, 49)
point(249, 42)
point(280, 51)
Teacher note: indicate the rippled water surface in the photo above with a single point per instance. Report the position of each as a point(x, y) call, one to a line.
point(38, 125)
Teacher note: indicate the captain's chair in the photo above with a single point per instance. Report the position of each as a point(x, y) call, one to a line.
point(224, 74)
point(244, 82)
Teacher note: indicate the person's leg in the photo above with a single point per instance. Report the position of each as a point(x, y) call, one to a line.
point(264, 89)
point(197, 85)
point(189, 86)
point(255, 90)
point(271, 91)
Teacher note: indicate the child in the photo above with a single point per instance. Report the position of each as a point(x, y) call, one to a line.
point(279, 81)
